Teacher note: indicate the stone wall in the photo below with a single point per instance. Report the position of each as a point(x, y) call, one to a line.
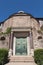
point(21, 21)
point(4, 43)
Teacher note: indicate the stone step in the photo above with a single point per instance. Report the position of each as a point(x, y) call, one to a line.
point(21, 59)
point(21, 63)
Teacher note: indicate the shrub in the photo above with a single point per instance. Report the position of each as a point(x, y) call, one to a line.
point(3, 56)
point(38, 56)
point(8, 30)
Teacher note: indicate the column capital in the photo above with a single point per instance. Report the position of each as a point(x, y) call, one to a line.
point(11, 32)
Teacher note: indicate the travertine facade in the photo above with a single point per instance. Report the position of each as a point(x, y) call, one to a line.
point(22, 26)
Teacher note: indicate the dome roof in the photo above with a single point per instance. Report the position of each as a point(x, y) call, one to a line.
point(20, 13)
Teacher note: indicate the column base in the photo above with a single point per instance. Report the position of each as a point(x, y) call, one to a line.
point(10, 53)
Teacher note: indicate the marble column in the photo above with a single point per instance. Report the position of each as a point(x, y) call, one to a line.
point(31, 43)
point(28, 45)
point(31, 39)
point(14, 40)
point(10, 50)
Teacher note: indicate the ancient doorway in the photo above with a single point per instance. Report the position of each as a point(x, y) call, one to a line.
point(21, 44)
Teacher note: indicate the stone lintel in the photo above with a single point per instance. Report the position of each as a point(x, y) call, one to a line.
point(21, 29)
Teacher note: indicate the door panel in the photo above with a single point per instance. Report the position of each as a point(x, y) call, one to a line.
point(21, 46)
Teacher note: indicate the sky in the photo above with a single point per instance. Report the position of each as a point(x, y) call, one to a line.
point(8, 7)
